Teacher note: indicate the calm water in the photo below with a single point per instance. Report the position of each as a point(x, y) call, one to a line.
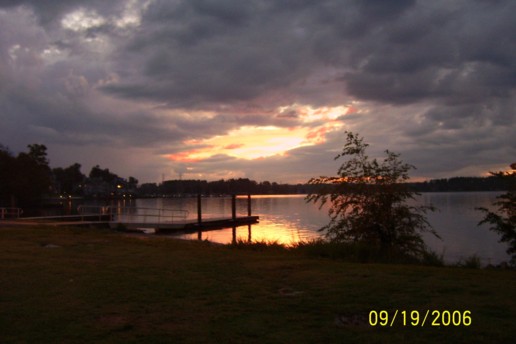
point(288, 219)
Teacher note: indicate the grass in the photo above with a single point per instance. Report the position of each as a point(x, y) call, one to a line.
point(361, 253)
point(70, 285)
point(471, 262)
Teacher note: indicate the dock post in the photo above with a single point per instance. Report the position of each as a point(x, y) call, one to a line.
point(199, 209)
point(233, 207)
point(248, 204)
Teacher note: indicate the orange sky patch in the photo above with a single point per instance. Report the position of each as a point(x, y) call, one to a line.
point(190, 156)
point(234, 146)
point(317, 136)
point(265, 141)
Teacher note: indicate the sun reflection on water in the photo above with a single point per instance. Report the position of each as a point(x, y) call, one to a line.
point(267, 230)
point(288, 219)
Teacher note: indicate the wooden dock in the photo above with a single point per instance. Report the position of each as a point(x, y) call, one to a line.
point(160, 228)
point(96, 220)
point(187, 225)
point(161, 220)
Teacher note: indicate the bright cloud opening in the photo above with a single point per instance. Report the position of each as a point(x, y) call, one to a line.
point(82, 20)
point(255, 142)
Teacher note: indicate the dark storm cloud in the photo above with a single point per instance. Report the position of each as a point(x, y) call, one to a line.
point(187, 53)
point(436, 79)
point(457, 54)
point(196, 52)
point(57, 102)
point(49, 11)
point(60, 120)
point(397, 51)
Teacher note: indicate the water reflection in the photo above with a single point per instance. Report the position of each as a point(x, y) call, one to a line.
point(456, 222)
point(267, 230)
point(289, 219)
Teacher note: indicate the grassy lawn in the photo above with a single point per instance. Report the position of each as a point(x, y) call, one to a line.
point(64, 285)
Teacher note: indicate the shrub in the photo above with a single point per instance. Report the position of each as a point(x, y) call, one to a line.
point(503, 221)
point(369, 203)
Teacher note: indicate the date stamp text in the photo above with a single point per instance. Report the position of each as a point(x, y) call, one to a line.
point(415, 318)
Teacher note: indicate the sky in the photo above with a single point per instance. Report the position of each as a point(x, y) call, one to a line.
point(219, 89)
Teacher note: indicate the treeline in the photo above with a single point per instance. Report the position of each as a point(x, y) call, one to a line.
point(458, 184)
point(26, 179)
point(219, 187)
point(245, 186)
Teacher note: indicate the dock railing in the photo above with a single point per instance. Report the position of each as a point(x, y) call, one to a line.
point(10, 213)
point(134, 214)
point(92, 211)
point(148, 215)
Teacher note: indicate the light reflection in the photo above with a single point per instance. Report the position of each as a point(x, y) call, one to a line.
point(288, 219)
point(282, 232)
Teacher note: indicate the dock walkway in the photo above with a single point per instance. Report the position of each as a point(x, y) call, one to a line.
point(161, 227)
point(188, 225)
point(131, 219)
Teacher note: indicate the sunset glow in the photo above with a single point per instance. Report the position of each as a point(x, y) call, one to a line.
point(281, 232)
point(255, 142)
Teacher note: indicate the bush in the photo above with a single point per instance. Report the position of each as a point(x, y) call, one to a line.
point(472, 262)
point(503, 221)
point(369, 204)
point(357, 252)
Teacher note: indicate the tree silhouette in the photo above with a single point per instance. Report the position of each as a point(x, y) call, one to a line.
point(503, 221)
point(369, 202)
point(69, 179)
point(25, 178)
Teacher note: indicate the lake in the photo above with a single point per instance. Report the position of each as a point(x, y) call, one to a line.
point(289, 219)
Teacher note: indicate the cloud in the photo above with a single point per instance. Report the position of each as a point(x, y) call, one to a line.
point(49, 12)
point(234, 146)
point(433, 80)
